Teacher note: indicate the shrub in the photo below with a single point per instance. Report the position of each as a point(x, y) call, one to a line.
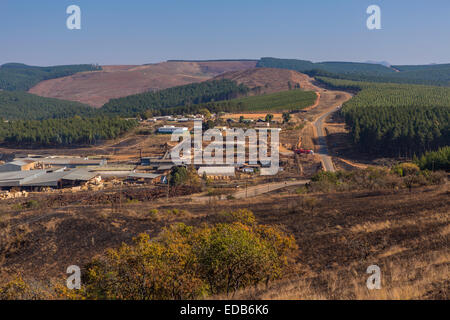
point(438, 160)
point(406, 169)
point(189, 263)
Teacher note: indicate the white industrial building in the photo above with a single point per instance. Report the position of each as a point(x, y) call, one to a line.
point(69, 162)
point(43, 178)
point(172, 129)
point(217, 171)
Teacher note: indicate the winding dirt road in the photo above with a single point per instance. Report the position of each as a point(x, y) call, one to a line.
point(329, 102)
point(252, 191)
point(322, 149)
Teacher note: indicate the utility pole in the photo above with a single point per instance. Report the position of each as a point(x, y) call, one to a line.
point(246, 189)
point(120, 197)
point(168, 188)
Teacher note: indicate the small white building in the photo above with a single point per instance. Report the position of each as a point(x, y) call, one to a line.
point(217, 171)
point(172, 129)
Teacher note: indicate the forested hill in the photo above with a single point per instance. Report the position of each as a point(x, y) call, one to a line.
point(436, 75)
point(173, 97)
point(396, 119)
point(26, 106)
point(21, 77)
point(63, 132)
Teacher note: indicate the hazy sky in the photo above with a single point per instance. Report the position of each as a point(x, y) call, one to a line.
point(146, 31)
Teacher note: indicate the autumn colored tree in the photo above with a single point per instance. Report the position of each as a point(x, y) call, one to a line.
point(188, 263)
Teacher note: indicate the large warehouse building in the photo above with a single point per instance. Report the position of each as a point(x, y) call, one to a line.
point(41, 178)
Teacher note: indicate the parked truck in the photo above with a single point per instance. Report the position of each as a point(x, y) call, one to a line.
point(303, 151)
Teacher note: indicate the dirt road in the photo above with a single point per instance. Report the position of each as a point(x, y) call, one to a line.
point(329, 102)
point(322, 149)
point(253, 191)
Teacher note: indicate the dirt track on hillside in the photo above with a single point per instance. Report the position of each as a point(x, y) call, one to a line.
point(270, 80)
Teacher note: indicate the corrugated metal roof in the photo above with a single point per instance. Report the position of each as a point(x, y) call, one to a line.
point(72, 161)
point(14, 179)
point(48, 179)
point(166, 167)
point(80, 175)
point(140, 175)
point(217, 171)
point(66, 161)
point(42, 178)
point(18, 175)
point(23, 162)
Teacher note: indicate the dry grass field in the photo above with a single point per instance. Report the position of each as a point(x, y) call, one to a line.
point(339, 235)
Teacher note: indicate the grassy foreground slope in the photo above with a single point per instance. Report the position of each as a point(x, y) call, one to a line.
point(396, 119)
point(20, 77)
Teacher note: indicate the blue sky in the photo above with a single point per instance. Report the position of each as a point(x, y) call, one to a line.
point(147, 31)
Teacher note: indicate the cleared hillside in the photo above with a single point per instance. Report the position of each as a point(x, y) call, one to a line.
point(97, 88)
point(269, 80)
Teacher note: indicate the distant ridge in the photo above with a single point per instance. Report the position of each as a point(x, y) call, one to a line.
point(383, 63)
point(216, 60)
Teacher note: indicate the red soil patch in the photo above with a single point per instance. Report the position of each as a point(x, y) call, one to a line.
point(270, 80)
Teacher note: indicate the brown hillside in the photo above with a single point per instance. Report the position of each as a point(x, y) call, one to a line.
point(405, 233)
point(269, 80)
point(97, 88)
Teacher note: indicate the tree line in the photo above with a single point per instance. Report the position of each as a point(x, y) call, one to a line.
point(186, 95)
point(21, 77)
point(396, 119)
point(433, 75)
point(26, 106)
point(281, 101)
point(63, 132)
point(436, 160)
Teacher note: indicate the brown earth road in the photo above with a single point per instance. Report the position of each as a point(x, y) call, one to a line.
point(251, 191)
point(329, 102)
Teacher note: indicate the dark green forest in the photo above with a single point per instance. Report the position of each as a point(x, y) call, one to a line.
point(436, 160)
point(20, 77)
point(396, 119)
point(178, 96)
point(63, 132)
point(434, 75)
point(280, 101)
point(391, 119)
point(26, 106)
